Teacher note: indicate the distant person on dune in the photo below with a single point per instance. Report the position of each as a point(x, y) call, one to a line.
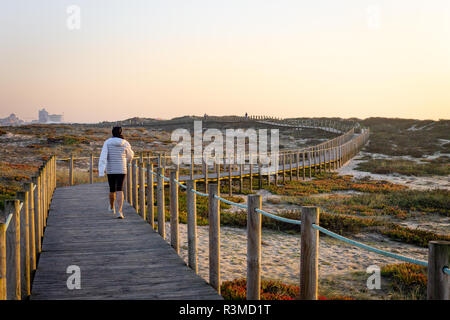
point(116, 152)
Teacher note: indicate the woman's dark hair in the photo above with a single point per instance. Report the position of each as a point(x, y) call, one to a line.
point(117, 132)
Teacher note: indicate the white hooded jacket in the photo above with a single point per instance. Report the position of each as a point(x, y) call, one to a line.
point(115, 154)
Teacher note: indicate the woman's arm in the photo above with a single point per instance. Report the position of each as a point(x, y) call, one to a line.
point(129, 151)
point(103, 160)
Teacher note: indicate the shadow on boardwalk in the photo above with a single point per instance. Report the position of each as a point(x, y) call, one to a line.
point(118, 259)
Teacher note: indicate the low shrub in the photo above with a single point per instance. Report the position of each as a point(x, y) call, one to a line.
point(329, 182)
point(407, 278)
point(413, 236)
point(406, 167)
point(67, 140)
point(270, 290)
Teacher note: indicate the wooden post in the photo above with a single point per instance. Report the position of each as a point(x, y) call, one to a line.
point(164, 161)
point(251, 176)
point(71, 170)
point(24, 234)
point(125, 187)
point(15, 237)
point(174, 211)
point(276, 169)
point(309, 254)
point(54, 172)
point(142, 206)
point(32, 226)
point(230, 179)
point(3, 279)
point(44, 197)
point(191, 203)
point(160, 202)
point(130, 183)
point(150, 194)
point(241, 178)
point(333, 155)
point(218, 174)
point(91, 169)
point(260, 176)
point(41, 201)
point(192, 166)
point(309, 163)
point(304, 166)
point(284, 167)
point(214, 237)
point(319, 154)
point(298, 165)
point(205, 175)
point(290, 166)
point(329, 159)
point(37, 213)
point(253, 247)
point(134, 182)
point(438, 287)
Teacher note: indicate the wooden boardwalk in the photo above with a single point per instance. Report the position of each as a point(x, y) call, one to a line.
point(118, 259)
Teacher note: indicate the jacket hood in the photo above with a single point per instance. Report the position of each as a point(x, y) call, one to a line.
point(116, 141)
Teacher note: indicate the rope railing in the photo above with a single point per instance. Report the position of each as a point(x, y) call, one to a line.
point(282, 219)
point(446, 270)
point(369, 248)
point(239, 205)
point(200, 193)
point(8, 220)
point(437, 261)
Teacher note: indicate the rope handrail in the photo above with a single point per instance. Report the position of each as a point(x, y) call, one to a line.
point(446, 270)
point(353, 242)
point(180, 184)
point(278, 217)
point(243, 206)
point(370, 248)
point(8, 220)
point(200, 193)
point(164, 177)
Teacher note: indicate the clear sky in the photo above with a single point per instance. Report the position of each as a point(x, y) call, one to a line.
point(168, 58)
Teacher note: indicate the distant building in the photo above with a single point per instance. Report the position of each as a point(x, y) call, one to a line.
point(12, 120)
point(45, 117)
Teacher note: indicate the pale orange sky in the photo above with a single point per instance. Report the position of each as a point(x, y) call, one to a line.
point(283, 58)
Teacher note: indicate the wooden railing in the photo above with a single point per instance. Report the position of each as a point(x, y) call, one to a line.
point(22, 228)
point(339, 148)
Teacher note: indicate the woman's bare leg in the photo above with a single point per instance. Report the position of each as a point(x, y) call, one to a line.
point(112, 198)
point(119, 201)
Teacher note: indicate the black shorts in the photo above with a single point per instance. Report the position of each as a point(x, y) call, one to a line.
point(116, 182)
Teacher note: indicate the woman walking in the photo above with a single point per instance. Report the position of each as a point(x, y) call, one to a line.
point(116, 152)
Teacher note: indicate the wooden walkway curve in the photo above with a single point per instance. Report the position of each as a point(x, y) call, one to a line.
point(118, 259)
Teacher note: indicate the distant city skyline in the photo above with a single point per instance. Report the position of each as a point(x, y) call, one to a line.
point(286, 58)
